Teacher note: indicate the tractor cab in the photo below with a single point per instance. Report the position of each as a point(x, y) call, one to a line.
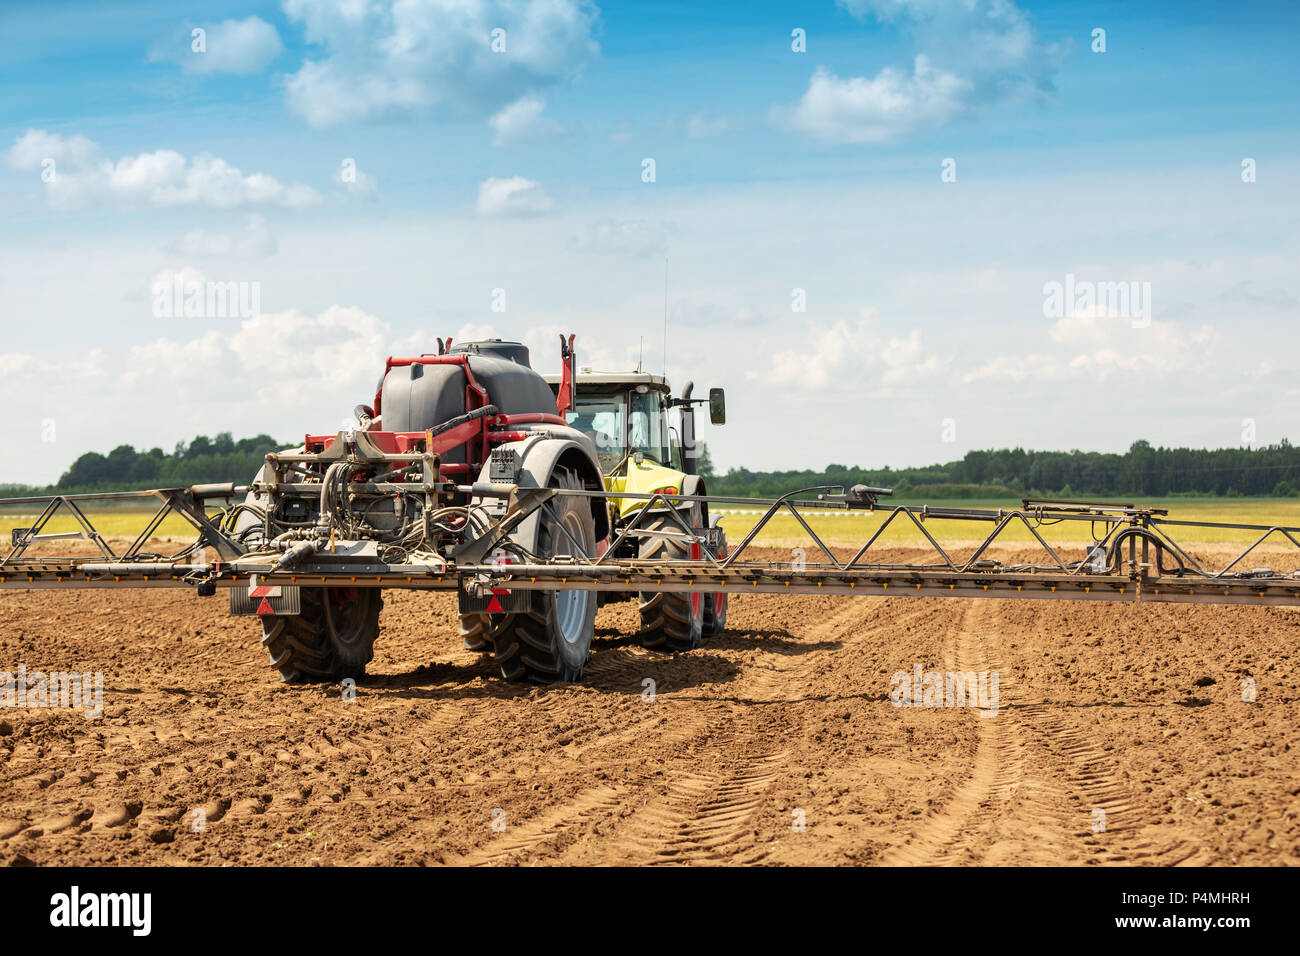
point(626, 415)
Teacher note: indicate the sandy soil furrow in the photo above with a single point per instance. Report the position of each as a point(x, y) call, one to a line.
point(775, 743)
point(953, 834)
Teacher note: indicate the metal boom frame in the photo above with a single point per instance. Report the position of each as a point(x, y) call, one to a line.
point(1126, 561)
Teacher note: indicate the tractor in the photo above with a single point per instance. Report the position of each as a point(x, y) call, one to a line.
point(627, 417)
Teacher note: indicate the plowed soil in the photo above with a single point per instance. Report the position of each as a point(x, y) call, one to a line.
point(1121, 736)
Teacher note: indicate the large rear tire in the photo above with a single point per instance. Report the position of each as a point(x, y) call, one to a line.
point(549, 642)
point(334, 636)
point(671, 620)
point(332, 639)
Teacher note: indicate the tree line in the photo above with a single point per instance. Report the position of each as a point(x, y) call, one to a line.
point(1143, 470)
point(202, 460)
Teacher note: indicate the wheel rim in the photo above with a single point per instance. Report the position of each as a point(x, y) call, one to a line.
point(571, 606)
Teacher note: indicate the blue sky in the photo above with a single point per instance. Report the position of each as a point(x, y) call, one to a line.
point(925, 331)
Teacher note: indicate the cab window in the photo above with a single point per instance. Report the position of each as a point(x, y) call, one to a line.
point(601, 418)
point(647, 426)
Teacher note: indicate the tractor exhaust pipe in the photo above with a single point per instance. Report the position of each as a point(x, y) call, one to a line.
point(688, 429)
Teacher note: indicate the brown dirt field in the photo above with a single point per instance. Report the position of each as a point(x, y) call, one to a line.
point(1132, 710)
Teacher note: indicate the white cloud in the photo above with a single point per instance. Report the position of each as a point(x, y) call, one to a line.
point(522, 122)
point(337, 355)
point(1250, 292)
point(13, 363)
point(184, 277)
point(970, 55)
point(879, 110)
point(398, 56)
point(1092, 347)
point(255, 242)
point(476, 332)
point(597, 347)
point(357, 183)
point(35, 146)
point(242, 47)
point(846, 356)
point(696, 315)
point(746, 245)
point(512, 196)
point(162, 178)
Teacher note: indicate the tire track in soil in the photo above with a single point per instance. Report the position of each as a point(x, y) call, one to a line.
point(584, 814)
point(560, 709)
point(1033, 786)
point(695, 778)
point(702, 818)
point(576, 815)
point(694, 815)
point(1091, 784)
point(705, 817)
point(996, 771)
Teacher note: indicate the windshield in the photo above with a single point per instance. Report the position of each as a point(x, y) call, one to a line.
point(617, 429)
point(601, 417)
point(648, 423)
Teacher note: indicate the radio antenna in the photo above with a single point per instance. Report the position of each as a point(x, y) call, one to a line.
point(665, 315)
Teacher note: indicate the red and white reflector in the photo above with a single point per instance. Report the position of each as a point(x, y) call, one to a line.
point(258, 590)
point(498, 557)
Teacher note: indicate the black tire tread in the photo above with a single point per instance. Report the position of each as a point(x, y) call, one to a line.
point(299, 646)
point(519, 640)
point(665, 615)
point(474, 634)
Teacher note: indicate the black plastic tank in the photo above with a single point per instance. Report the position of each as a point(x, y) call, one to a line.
point(416, 397)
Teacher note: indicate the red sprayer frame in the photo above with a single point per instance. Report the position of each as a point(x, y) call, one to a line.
point(478, 436)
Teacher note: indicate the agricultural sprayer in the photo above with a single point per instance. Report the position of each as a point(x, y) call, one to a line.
point(537, 499)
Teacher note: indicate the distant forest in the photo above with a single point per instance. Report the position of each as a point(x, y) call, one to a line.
point(190, 463)
point(1144, 471)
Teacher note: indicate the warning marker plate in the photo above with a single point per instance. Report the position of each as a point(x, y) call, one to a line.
point(258, 590)
point(494, 600)
point(499, 557)
point(265, 600)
